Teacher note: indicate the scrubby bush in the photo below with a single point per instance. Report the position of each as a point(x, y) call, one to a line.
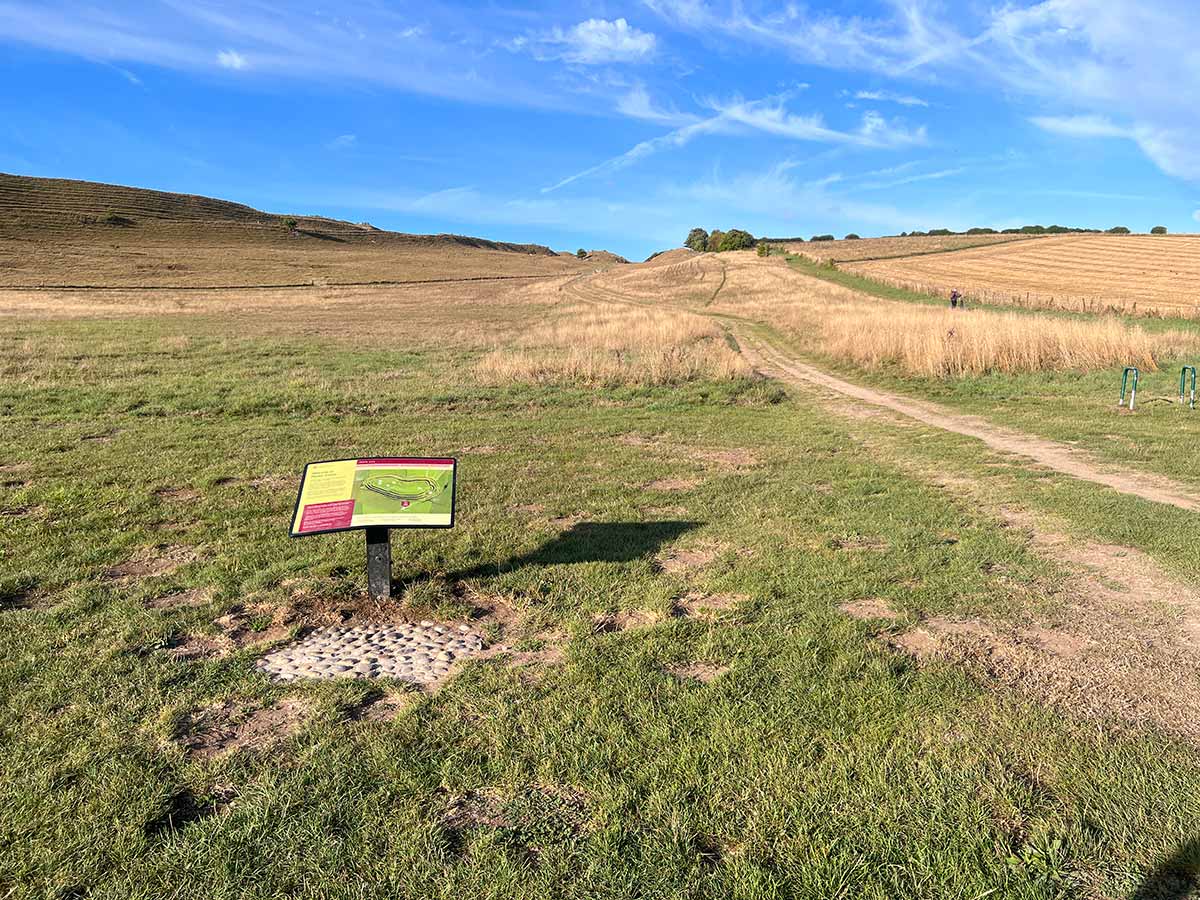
point(1033, 229)
point(1120, 229)
point(714, 240)
point(981, 231)
point(916, 234)
point(940, 232)
point(823, 237)
point(697, 240)
point(1011, 231)
point(1159, 229)
point(852, 237)
point(581, 253)
point(290, 224)
point(764, 249)
point(736, 239)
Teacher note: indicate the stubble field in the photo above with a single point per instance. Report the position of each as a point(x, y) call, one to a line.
point(1125, 274)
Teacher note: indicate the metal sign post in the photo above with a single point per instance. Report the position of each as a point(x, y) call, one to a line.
point(1191, 398)
point(379, 563)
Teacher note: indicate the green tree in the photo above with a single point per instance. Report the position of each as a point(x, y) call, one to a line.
point(736, 239)
point(764, 249)
point(290, 224)
point(697, 240)
point(581, 253)
point(1120, 229)
point(823, 237)
point(714, 240)
point(852, 237)
point(1159, 229)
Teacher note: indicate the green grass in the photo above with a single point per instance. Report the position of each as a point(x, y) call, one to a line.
point(820, 764)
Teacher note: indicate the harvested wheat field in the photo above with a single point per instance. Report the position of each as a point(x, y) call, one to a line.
point(1132, 274)
point(888, 247)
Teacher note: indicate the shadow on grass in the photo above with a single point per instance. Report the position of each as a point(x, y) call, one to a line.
point(613, 542)
point(1176, 877)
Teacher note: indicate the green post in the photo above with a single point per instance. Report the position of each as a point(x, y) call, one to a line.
point(1125, 383)
point(1183, 373)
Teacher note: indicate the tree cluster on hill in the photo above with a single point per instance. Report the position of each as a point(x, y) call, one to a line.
point(1024, 229)
point(718, 241)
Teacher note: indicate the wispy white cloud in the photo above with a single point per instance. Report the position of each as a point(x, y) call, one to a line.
point(637, 104)
point(1081, 126)
point(890, 97)
point(767, 116)
point(231, 59)
point(907, 38)
point(343, 142)
point(591, 42)
point(911, 179)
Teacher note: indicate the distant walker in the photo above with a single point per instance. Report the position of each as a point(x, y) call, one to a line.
point(956, 299)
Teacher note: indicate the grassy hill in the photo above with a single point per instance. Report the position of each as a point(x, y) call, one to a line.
point(59, 232)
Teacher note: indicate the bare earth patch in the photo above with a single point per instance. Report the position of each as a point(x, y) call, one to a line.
point(869, 608)
point(177, 495)
point(151, 562)
point(624, 620)
point(695, 605)
point(531, 819)
point(729, 459)
point(679, 561)
point(192, 597)
point(860, 542)
point(244, 626)
point(1125, 647)
point(704, 672)
point(385, 707)
point(18, 512)
point(674, 484)
point(241, 725)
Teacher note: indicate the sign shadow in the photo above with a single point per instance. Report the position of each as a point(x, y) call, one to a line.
point(615, 542)
point(1176, 877)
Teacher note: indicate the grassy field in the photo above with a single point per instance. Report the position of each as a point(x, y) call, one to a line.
point(744, 640)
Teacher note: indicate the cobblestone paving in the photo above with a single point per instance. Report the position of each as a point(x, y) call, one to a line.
point(420, 653)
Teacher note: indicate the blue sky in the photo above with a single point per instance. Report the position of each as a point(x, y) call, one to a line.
point(621, 125)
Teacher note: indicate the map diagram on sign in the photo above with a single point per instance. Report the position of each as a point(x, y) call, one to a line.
point(362, 493)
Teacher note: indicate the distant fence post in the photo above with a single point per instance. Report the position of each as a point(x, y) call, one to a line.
point(1183, 373)
point(1125, 383)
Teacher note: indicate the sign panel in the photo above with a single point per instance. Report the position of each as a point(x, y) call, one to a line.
point(341, 494)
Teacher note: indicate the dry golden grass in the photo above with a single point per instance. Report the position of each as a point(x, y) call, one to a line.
point(611, 344)
point(926, 340)
point(876, 248)
point(944, 343)
point(1138, 274)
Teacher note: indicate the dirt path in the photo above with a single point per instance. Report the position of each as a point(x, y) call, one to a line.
point(771, 361)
